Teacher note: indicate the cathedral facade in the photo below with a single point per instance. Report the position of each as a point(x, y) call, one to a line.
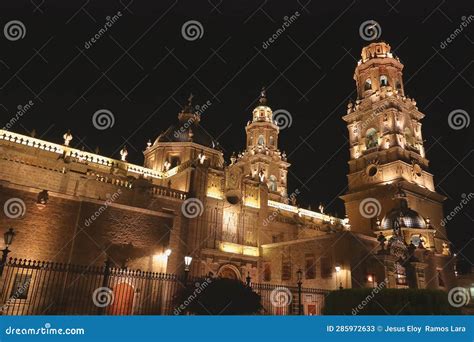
point(238, 218)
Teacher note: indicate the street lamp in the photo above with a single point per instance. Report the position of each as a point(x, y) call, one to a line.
point(338, 269)
point(371, 279)
point(299, 275)
point(187, 263)
point(8, 239)
point(248, 279)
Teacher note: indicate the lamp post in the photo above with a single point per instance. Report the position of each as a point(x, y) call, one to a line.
point(8, 239)
point(337, 268)
point(187, 263)
point(371, 279)
point(299, 275)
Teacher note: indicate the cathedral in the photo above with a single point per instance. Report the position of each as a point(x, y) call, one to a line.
point(237, 218)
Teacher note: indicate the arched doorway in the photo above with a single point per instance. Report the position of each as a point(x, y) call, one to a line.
point(230, 272)
point(123, 300)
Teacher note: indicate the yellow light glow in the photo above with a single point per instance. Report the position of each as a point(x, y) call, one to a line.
point(214, 194)
point(235, 248)
point(231, 247)
point(249, 250)
point(282, 206)
point(252, 203)
point(303, 212)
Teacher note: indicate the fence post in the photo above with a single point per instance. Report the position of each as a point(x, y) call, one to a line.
point(105, 281)
point(4, 259)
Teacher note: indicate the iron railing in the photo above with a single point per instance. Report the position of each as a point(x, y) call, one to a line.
point(47, 288)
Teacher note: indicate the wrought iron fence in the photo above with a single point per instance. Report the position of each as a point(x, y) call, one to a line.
point(48, 288)
point(284, 300)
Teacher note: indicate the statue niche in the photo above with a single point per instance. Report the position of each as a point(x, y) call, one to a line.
point(371, 138)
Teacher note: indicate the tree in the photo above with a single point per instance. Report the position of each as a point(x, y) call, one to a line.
point(217, 296)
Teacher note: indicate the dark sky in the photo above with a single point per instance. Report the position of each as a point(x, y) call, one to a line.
point(142, 69)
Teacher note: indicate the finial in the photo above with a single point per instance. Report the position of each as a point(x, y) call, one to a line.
point(67, 137)
point(148, 144)
point(321, 208)
point(190, 99)
point(124, 153)
point(201, 157)
point(263, 96)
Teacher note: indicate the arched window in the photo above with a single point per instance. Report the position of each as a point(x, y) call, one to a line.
point(371, 138)
point(272, 183)
point(399, 85)
point(261, 140)
point(174, 160)
point(368, 84)
point(383, 81)
point(272, 141)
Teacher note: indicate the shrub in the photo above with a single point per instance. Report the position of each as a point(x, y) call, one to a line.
point(220, 296)
point(388, 302)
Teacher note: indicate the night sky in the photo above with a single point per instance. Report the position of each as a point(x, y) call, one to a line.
point(142, 70)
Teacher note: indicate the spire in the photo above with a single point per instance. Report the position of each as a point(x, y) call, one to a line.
point(263, 97)
point(188, 107)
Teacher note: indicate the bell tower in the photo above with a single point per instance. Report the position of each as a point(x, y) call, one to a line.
point(386, 147)
point(262, 160)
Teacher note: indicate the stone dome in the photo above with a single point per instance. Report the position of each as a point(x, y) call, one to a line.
point(408, 218)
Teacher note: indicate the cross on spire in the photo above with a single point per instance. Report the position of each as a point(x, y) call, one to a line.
point(263, 96)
